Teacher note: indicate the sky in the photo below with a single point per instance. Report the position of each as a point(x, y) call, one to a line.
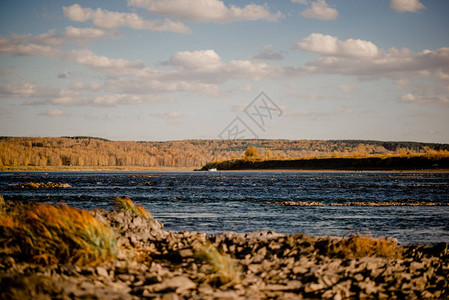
point(152, 70)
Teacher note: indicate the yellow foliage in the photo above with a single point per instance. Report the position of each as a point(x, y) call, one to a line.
point(251, 153)
point(223, 268)
point(126, 204)
point(58, 234)
point(359, 246)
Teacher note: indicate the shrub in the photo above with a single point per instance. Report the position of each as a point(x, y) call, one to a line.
point(126, 204)
point(223, 268)
point(360, 246)
point(57, 234)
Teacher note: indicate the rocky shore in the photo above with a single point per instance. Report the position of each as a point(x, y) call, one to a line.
point(153, 263)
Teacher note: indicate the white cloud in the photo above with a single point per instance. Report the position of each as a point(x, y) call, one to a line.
point(75, 32)
point(267, 54)
point(17, 90)
point(42, 95)
point(303, 2)
point(206, 66)
point(331, 46)
point(172, 117)
point(415, 99)
point(395, 64)
point(112, 100)
point(311, 96)
point(320, 10)
point(202, 59)
point(84, 35)
point(406, 5)
point(318, 115)
point(205, 10)
point(111, 20)
point(54, 113)
point(116, 66)
point(17, 45)
point(246, 88)
point(88, 86)
point(348, 89)
point(50, 38)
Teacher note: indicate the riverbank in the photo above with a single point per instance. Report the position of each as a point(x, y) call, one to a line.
point(390, 163)
point(150, 262)
point(90, 169)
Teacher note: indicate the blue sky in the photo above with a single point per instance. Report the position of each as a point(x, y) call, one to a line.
point(178, 69)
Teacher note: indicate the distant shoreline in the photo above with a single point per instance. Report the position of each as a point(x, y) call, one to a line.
point(188, 169)
point(368, 164)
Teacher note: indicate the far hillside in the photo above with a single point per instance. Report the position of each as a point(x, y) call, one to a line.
point(37, 152)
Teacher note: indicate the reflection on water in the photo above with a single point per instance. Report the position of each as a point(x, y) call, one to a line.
point(238, 201)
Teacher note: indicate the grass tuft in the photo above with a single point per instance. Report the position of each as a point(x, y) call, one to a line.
point(360, 246)
point(57, 234)
point(225, 271)
point(126, 204)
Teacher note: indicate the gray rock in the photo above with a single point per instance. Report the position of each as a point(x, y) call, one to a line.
point(177, 284)
point(170, 296)
point(101, 271)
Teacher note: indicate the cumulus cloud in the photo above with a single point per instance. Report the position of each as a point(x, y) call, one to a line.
point(320, 10)
point(318, 115)
point(201, 59)
point(84, 35)
point(172, 117)
point(112, 100)
point(54, 113)
point(332, 46)
point(214, 11)
point(111, 20)
point(42, 95)
point(418, 99)
point(206, 66)
point(395, 64)
point(22, 46)
point(114, 66)
point(365, 61)
point(406, 5)
point(88, 86)
point(347, 89)
point(267, 54)
point(303, 2)
point(17, 90)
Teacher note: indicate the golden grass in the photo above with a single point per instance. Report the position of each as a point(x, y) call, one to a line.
point(225, 270)
point(57, 234)
point(126, 204)
point(360, 246)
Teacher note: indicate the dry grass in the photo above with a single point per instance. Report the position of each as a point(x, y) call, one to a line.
point(360, 246)
point(126, 204)
point(225, 271)
point(57, 234)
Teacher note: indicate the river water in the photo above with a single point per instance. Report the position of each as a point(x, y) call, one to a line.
point(245, 201)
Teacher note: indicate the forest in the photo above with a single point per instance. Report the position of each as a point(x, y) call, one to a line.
point(43, 152)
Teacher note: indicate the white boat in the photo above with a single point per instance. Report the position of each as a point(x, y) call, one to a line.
point(213, 170)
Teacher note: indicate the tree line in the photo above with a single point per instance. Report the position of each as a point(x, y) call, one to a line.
point(97, 152)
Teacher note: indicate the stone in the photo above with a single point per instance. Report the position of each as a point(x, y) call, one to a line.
point(177, 284)
point(312, 287)
point(300, 270)
point(186, 253)
point(101, 271)
point(254, 268)
point(226, 295)
point(170, 296)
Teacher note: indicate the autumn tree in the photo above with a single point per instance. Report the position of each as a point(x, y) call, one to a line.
point(251, 153)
